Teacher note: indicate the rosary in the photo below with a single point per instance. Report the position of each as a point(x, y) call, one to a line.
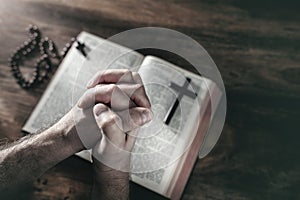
point(43, 66)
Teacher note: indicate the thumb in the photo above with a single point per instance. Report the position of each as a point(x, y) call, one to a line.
point(135, 117)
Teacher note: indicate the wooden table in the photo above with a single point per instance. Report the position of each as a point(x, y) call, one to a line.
point(256, 46)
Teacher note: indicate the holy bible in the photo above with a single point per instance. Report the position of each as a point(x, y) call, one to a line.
point(167, 147)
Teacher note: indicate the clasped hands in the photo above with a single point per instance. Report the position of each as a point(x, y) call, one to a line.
point(108, 114)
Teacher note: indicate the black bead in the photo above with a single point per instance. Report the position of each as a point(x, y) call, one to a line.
point(23, 85)
point(48, 67)
point(31, 82)
point(17, 56)
point(35, 34)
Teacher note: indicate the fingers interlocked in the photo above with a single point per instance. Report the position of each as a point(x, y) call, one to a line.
point(120, 105)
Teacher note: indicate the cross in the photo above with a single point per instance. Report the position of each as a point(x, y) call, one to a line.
point(182, 90)
point(80, 47)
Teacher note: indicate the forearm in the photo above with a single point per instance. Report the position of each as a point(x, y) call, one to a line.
point(31, 156)
point(110, 183)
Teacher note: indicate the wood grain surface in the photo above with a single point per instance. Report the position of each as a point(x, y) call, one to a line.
point(255, 44)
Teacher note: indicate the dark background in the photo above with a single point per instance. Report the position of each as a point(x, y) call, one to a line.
point(255, 44)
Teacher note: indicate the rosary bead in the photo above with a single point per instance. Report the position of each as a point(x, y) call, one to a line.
point(48, 63)
point(40, 79)
point(43, 65)
point(35, 75)
point(17, 57)
point(32, 27)
point(44, 56)
point(31, 81)
point(18, 75)
point(14, 66)
point(48, 67)
point(24, 85)
point(35, 34)
point(62, 53)
point(13, 63)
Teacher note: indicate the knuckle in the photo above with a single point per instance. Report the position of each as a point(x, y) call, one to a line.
point(112, 88)
point(109, 92)
point(98, 94)
point(97, 88)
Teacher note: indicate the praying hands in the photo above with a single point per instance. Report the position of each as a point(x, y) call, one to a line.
point(105, 119)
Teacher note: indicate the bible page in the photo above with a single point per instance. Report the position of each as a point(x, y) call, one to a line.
point(159, 146)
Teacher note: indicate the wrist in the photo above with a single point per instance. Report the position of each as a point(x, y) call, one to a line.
point(110, 183)
point(66, 130)
point(104, 172)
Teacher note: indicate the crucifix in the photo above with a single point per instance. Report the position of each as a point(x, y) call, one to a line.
point(81, 47)
point(181, 91)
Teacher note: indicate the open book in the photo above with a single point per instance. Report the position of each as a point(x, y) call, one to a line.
point(164, 153)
